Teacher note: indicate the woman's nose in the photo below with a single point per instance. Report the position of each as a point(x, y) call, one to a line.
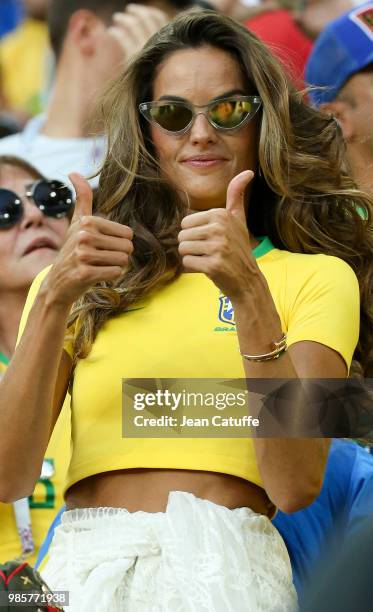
point(202, 131)
point(32, 215)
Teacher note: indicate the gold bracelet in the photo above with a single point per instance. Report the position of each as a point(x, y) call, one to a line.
point(280, 347)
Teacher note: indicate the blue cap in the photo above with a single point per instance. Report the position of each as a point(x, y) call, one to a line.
point(342, 49)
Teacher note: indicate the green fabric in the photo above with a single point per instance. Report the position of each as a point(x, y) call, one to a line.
point(4, 359)
point(264, 247)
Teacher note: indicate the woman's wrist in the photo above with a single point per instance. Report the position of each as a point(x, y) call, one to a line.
point(257, 321)
point(50, 298)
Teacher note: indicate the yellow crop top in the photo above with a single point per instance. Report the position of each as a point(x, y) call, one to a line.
point(183, 331)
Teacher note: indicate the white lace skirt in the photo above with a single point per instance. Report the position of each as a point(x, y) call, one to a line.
point(195, 557)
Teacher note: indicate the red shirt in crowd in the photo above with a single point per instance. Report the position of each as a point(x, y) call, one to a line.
point(279, 30)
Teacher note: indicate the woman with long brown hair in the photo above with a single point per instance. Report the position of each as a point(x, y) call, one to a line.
point(215, 166)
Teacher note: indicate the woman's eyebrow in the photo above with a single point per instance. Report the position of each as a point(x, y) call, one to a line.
point(226, 94)
point(176, 98)
point(232, 92)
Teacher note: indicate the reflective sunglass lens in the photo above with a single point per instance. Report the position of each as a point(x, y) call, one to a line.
point(171, 117)
point(10, 208)
point(53, 197)
point(230, 113)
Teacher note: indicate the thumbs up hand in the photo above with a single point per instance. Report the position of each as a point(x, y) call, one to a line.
point(236, 194)
point(84, 196)
point(217, 242)
point(95, 250)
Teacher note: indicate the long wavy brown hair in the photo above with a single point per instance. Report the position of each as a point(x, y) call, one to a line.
point(303, 197)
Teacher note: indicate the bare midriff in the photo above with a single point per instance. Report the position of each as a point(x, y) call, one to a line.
point(148, 489)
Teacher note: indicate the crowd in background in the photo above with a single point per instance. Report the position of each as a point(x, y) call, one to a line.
point(51, 97)
point(51, 73)
point(28, 66)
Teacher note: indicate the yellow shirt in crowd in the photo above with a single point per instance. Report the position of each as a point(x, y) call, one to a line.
point(23, 66)
point(187, 330)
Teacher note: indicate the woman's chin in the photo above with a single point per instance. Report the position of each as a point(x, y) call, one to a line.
point(206, 198)
point(206, 203)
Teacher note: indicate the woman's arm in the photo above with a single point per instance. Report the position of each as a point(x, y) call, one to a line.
point(35, 384)
point(215, 242)
point(292, 469)
point(36, 379)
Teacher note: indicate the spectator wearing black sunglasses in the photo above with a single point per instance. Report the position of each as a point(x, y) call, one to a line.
point(34, 218)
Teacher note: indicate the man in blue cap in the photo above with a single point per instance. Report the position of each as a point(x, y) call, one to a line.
point(341, 68)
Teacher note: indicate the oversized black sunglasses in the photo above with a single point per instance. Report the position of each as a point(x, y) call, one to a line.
point(226, 114)
point(53, 198)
